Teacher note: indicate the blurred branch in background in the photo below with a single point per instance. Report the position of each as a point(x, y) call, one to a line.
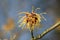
point(10, 25)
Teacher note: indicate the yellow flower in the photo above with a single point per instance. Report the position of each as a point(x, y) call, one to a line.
point(31, 20)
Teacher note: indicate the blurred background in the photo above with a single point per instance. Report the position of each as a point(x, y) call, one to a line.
point(11, 8)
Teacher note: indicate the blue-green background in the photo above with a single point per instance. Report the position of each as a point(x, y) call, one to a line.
point(11, 8)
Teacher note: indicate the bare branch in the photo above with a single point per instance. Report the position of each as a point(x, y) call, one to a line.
point(48, 30)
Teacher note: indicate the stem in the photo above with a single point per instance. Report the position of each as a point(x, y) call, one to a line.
point(48, 30)
point(32, 34)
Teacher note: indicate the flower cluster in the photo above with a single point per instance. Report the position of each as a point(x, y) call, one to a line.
point(31, 20)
